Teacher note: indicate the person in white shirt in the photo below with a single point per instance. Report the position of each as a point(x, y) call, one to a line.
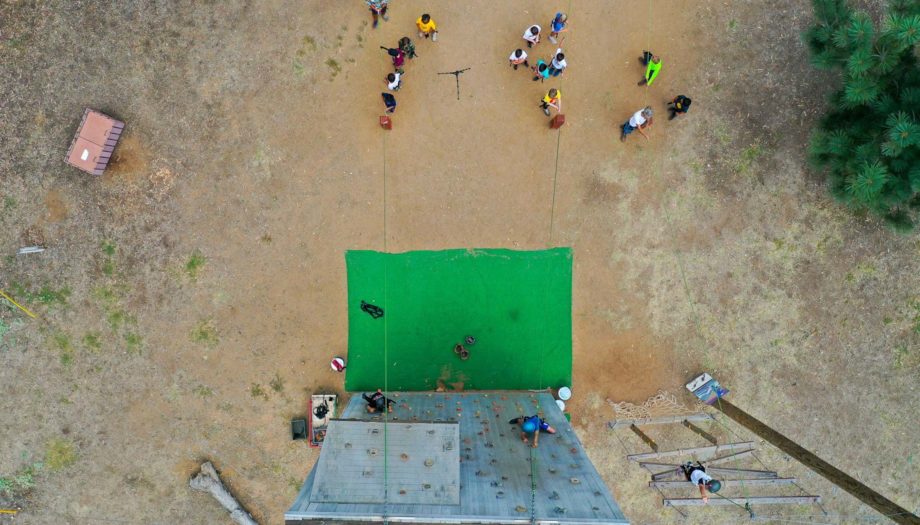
point(532, 35)
point(393, 81)
point(640, 120)
point(558, 64)
point(696, 474)
point(518, 57)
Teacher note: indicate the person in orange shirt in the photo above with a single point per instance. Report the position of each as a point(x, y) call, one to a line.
point(427, 27)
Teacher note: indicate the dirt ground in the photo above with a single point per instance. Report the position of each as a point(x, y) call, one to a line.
point(190, 299)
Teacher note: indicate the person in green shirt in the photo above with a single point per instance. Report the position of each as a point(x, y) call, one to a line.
point(652, 65)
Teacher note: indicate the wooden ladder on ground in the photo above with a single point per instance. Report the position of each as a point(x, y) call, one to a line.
point(669, 476)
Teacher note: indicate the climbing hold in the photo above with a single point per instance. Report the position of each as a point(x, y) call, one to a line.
point(499, 495)
point(372, 452)
point(554, 495)
point(574, 481)
point(429, 462)
point(404, 457)
point(347, 445)
point(520, 508)
point(426, 486)
point(552, 471)
point(559, 510)
point(402, 492)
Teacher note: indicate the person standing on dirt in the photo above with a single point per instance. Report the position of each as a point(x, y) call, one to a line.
point(407, 47)
point(532, 35)
point(518, 57)
point(678, 106)
point(427, 28)
point(394, 81)
point(389, 101)
point(377, 402)
point(532, 425)
point(640, 120)
point(552, 99)
point(558, 64)
point(558, 25)
point(696, 474)
point(378, 8)
point(540, 71)
point(652, 63)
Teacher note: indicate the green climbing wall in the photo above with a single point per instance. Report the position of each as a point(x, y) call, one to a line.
point(517, 304)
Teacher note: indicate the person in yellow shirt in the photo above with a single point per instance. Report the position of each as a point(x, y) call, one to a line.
point(552, 99)
point(427, 27)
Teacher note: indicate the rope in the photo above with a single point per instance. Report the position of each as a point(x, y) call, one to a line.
point(386, 340)
point(533, 487)
point(552, 209)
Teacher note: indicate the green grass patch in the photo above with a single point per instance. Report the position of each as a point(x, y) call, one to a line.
point(19, 482)
point(256, 391)
point(194, 265)
point(9, 203)
point(205, 333)
point(46, 295)
point(334, 66)
point(749, 156)
point(277, 383)
point(203, 391)
point(92, 341)
point(108, 248)
point(60, 454)
point(133, 342)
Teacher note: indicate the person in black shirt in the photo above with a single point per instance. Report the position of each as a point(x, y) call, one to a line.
point(376, 402)
point(678, 106)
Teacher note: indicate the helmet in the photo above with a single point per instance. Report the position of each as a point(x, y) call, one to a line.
point(714, 485)
point(529, 426)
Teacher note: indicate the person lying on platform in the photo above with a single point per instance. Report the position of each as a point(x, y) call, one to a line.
point(696, 474)
point(532, 425)
point(377, 402)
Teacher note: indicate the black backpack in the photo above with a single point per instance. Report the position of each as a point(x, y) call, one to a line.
point(390, 51)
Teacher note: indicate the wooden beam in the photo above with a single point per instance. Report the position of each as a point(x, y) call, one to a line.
point(619, 423)
point(836, 476)
point(765, 500)
point(729, 458)
point(699, 431)
point(714, 461)
point(716, 471)
point(644, 437)
point(756, 482)
point(742, 472)
point(689, 451)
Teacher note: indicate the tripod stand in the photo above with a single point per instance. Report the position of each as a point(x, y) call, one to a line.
point(456, 75)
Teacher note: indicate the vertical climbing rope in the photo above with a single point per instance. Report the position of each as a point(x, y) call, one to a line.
point(533, 486)
point(386, 339)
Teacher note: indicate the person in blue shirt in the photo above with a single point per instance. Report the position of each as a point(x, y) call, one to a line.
point(557, 26)
point(532, 425)
point(540, 71)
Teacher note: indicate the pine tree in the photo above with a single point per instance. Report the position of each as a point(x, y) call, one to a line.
point(869, 141)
